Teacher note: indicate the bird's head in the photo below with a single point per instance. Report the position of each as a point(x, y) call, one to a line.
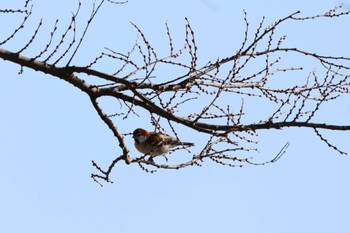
point(140, 135)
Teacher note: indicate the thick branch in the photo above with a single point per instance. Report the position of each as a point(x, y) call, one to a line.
point(46, 68)
point(65, 74)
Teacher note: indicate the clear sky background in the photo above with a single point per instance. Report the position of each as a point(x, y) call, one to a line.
point(49, 133)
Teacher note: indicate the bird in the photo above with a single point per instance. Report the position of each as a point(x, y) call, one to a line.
point(155, 143)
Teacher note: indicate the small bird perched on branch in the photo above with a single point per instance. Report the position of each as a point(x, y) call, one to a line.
point(154, 144)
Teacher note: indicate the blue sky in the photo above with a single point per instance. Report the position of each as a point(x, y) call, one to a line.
point(49, 133)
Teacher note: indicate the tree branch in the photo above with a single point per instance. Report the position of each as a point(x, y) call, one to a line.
point(201, 98)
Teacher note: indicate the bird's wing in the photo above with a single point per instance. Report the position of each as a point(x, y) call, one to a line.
point(159, 139)
point(155, 139)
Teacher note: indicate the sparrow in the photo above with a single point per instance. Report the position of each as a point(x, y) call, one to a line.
point(154, 144)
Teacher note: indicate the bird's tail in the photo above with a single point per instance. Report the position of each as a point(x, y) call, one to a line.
point(187, 143)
